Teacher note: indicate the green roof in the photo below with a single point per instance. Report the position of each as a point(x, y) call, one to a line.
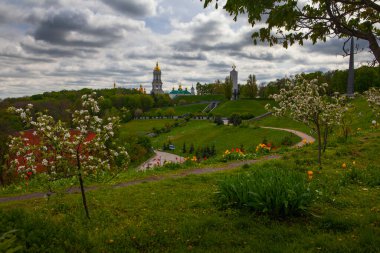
point(180, 92)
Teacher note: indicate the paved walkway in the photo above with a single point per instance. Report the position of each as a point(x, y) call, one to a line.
point(160, 159)
point(305, 138)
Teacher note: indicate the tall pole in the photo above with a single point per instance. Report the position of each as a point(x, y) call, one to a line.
point(351, 72)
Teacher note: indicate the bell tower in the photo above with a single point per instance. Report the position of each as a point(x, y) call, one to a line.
point(157, 83)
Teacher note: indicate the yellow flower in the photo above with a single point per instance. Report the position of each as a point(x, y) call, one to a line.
point(353, 163)
point(344, 165)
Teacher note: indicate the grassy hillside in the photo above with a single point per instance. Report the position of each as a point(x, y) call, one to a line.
point(256, 107)
point(142, 127)
point(196, 99)
point(179, 215)
point(183, 109)
point(202, 133)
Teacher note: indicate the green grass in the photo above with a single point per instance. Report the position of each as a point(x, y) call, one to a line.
point(142, 127)
point(196, 99)
point(181, 214)
point(256, 107)
point(189, 108)
point(178, 215)
point(281, 122)
point(202, 133)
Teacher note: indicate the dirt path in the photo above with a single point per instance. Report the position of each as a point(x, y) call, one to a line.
point(200, 171)
point(305, 138)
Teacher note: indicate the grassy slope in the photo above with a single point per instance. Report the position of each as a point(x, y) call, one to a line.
point(183, 109)
point(142, 127)
point(177, 215)
point(202, 133)
point(256, 107)
point(195, 99)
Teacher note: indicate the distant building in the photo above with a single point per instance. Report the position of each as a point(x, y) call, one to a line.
point(179, 92)
point(235, 87)
point(192, 90)
point(157, 83)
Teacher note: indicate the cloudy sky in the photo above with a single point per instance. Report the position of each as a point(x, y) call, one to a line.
point(48, 45)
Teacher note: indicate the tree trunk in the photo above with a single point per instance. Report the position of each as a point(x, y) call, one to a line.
point(374, 46)
point(319, 144)
point(325, 135)
point(82, 187)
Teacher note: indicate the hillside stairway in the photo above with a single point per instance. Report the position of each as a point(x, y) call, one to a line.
point(210, 107)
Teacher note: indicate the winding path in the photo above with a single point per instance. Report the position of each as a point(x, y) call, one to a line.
point(305, 138)
point(163, 155)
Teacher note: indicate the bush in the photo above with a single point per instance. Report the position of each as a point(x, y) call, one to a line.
point(218, 120)
point(235, 119)
point(272, 190)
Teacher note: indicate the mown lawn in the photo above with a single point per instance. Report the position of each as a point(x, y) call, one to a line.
point(142, 127)
point(199, 98)
point(255, 107)
point(184, 109)
point(201, 133)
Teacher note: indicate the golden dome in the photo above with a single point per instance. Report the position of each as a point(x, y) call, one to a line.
point(157, 68)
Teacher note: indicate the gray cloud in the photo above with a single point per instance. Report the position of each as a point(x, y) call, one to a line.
point(333, 46)
point(72, 27)
point(58, 52)
point(134, 8)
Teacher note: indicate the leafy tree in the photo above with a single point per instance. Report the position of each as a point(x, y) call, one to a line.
point(306, 101)
point(373, 98)
point(170, 112)
point(62, 152)
point(293, 21)
point(138, 113)
point(227, 87)
point(250, 89)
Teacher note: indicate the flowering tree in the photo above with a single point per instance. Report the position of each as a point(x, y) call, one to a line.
point(63, 152)
point(373, 98)
point(306, 102)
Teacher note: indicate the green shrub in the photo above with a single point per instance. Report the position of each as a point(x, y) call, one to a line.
point(218, 120)
point(272, 190)
point(235, 119)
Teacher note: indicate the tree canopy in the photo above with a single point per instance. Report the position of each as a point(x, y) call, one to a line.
point(294, 21)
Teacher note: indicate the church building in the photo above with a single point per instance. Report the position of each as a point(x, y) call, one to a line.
point(157, 83)
point(180, 92)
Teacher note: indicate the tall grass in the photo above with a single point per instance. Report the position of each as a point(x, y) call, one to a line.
point(275, 191)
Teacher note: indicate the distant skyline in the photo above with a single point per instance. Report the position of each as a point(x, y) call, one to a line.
point(50, 45)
